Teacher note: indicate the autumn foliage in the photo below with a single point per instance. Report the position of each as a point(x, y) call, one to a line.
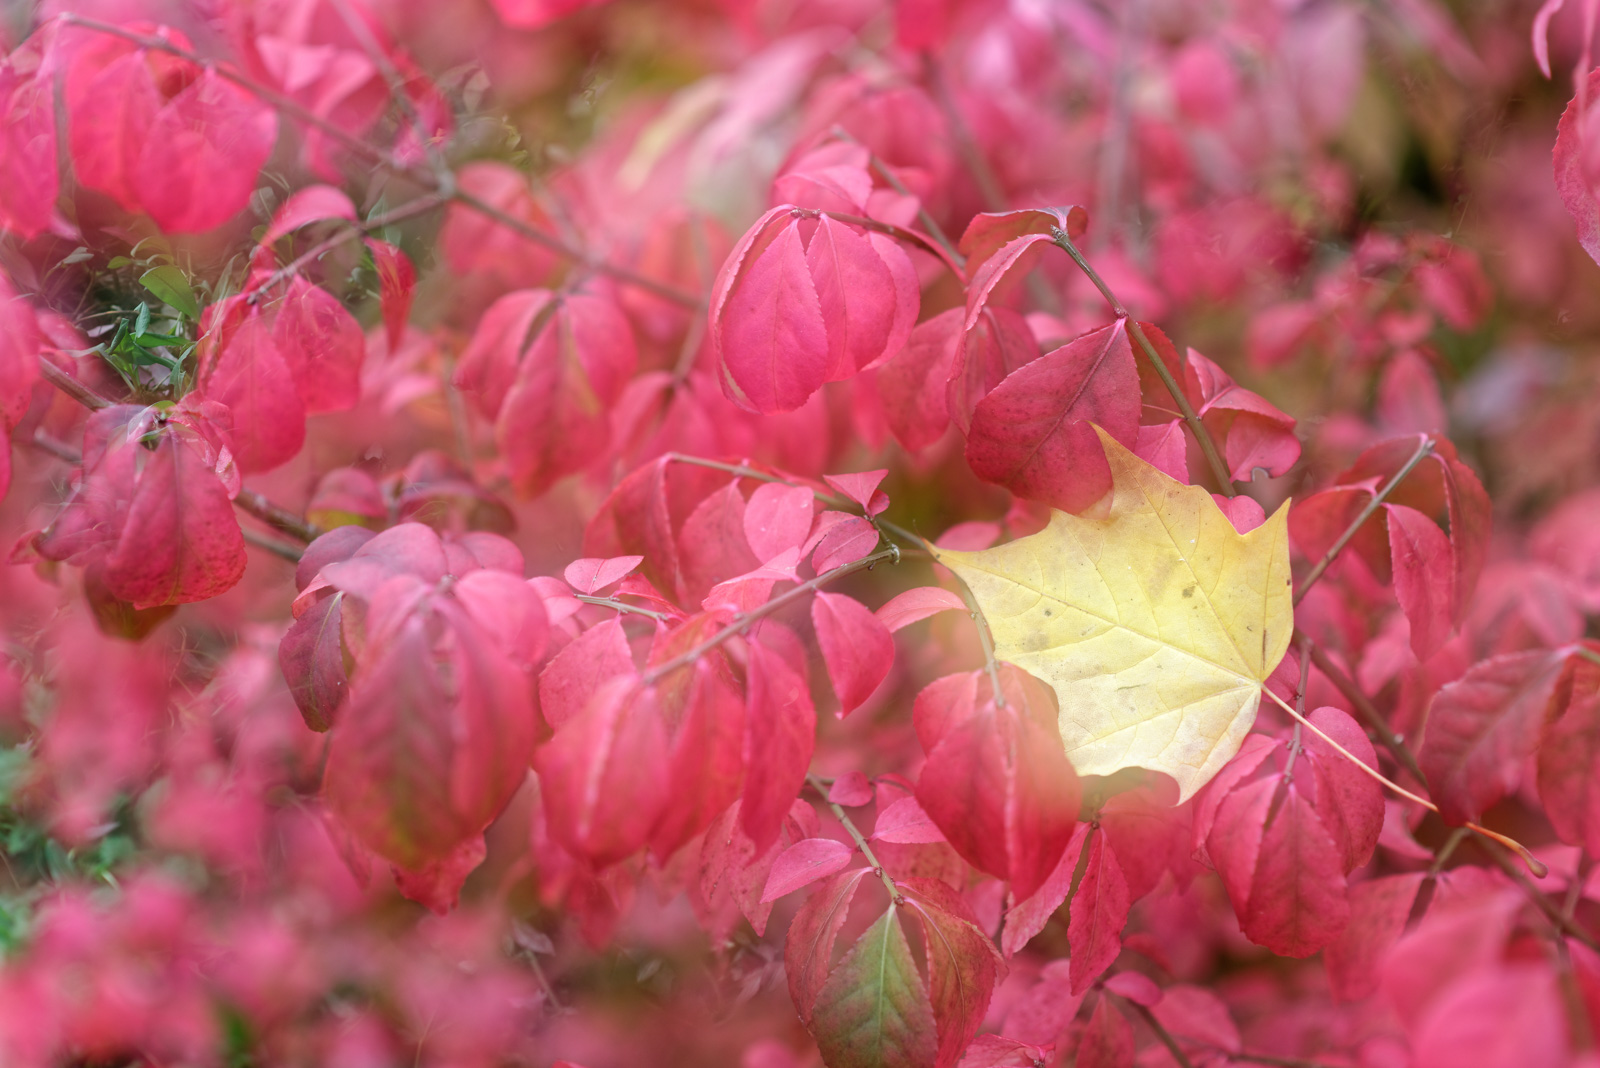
point(791, 533)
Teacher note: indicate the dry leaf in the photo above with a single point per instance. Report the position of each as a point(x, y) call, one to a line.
point(1156, 626)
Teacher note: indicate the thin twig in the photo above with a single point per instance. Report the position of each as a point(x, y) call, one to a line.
point(1424, 447)
point(899, 233)
point(420, 206)
point(59, 449)
point(276, 516)
point(994, 197)
point(929, 223)
point(861, 843)
point(1367, 710)
point(1161, 1033)
point(1540, 899)
point(749, 619)
point(624, 606)
point(272, 545)
point(71, 386)
point(1219, 469)
point(985, 638)
point(1300, 708)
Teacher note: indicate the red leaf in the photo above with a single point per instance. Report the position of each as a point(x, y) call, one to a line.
point(860, 296)
point(845, 542)
point(734, 873)
point(1349, 800)
point(1151, 837)
point(591, 573)
point(1422, 566)
point(808, 947)
point(766, 322)
point(201, 155)
point(1378, 912)
point(852, 790)
point(397, 283)
point(906, 608)
point(112, 101)
point(1097, 915)
point(1032, 433)
point(715, 547)
point(1483, 727)
point(1569, 762)
point(904, 822)
point(856, 647)
point(311, 657)
point(1572, 176)
point(706, 761)
point(1252, 431)
point(781, 727)
point(1504, 1016)
point(314, 203)
point(992, 1051)
point(777, 517)
point(1136, 987)
point(913, 386)
point(986, 273)
point(803, 864)
point(603, 774)
point(1107, 1039)
point(322, 345)
point(30, 179)
point(997, 781)
point(862, 487)
point(873, 1009)
point(1297, 901)
point(963, 966)
point(19, 354)
point(575, 674)
point(1028, 916)
point(488, 365)
point(988, 231)
point(1200, 1017)
point(509, 611)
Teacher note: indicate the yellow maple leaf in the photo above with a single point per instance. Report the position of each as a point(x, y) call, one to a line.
point(1156, 625)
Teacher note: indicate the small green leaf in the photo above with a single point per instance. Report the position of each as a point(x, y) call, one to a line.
point(141, 320)
point(171, 287)
point(873, 1012)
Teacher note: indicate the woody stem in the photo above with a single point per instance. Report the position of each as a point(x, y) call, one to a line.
point(855, 835)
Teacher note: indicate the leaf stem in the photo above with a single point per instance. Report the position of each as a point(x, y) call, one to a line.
point(746, 621)
point(57, 377)
point(1540, 899)
point(1369, 712)
point(985, 639)
point(420, 206)
point(276, 516)
point(1534, 864)
point(899, 233)
point(623, 606)
point(1424, 447)
point(1300, 708)
point(1208, 446)
point(929, 223)
point(278, 548)
point(856, 836)
point(1161, 1033)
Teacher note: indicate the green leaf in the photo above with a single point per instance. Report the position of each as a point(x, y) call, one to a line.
point(873, 1012)
point(171, 287)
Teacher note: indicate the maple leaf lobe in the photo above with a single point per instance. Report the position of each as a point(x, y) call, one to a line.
point(1156, 625)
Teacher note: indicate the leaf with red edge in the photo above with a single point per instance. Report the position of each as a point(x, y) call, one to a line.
point(1422, 565)
point(1107, 1040)
point(1297, 902)
point(311, 657)
point(438, 885)
point(986, 355)
point(1349, 801)
point(1572, 176)
point(997, 781)
point(988, 231)
point(803, 864)
point(202, 154)
point(904, 609)
point(1098, 912)
point(1482, 727)
point(1009, 262)
point(777, 517)
point(313, 203)
point(912, 384)
point(781, 726)
point(808, 947)
point(591, 573)
point(575, 674)
point(397, 284)
point(766, 322)
point(855, 645)
point(603, 774)
point(963, 966)
point(1252, 432)
point(1029, 915)
point(1378, 912)
point(905, 823)
point(1569, 761)
point(1031, 433)
point(322, 345)
point(873, 1011)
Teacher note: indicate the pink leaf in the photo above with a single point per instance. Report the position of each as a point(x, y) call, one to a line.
point(862, 488)
point(782, 726)
point(1098, 913)
point(844, 543)
point(1107, 1039)
point(706, 762)
point(591, 573)
point(912, 384)
point(963, 965)
point(1569, 761)
point(1573, 180)
point(766, 322)
point(397, 283)
point(312, 204)
point(438, 885)
point(1136, 987)
point(904, 822)
point(311, 656)
point(1028, 916)
point(1378, 912)
point(1165, 448)
point(1297, 901)
point(907, 608)
point(30, 179)
point(855, 645)
point(1422, 565)
point(804, 863)
point(852, 790)
point(575, 674)
point(322, 345)
point(1349, 800)
point(777, 517)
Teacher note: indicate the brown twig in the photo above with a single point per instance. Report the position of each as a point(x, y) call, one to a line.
point(929, 223)
point(1424, 447)
point(1540, 899)
point(276, 516)
point(1219, 469)
point(282, 549)
point(1161, 1033)
point(861, 843)
point(624, 606)
point(1365, 708)
point(51, 373)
